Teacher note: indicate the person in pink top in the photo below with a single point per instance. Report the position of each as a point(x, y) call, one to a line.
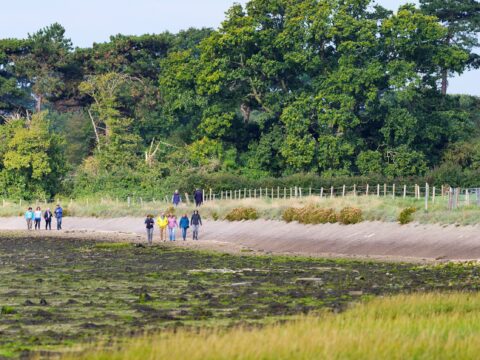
point(172, 226)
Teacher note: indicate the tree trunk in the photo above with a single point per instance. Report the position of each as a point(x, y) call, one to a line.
point(444, 81)
point(38, 103)
point(445, 70)
point(245, 109)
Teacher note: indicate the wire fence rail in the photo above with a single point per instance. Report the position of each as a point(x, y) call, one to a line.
point(454, 197)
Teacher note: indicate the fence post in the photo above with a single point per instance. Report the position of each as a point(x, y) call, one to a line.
point(309, 191)
point(433, 195)
point(331, 192)
point(467, 197)
point(321, 192)
point(343, 191)
point(260, 192)
point(450, 199)
point(366, 190)
point(442, 193)
point(404, 191)
point(393, 191)
point(427, 192)
point(378, 190)
point(354, 189)
point(128, 201)
point(273, 194)
point(210, 197)
point(384, 189)
point(300, 192)
point(254, 193)
point(278, 192)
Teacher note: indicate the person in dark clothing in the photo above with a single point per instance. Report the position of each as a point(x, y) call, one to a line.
point(59, 216)
point(176, 198)
point(149, 222)
point(198, 197)
point(48, 219)
point(195, 222)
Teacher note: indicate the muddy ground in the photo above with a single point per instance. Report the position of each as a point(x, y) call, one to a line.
point(57, 292)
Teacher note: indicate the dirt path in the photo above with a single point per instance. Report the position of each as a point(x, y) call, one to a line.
point(376, 240)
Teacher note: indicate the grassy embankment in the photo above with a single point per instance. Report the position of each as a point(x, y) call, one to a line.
point(422, 326)
point(373, 208)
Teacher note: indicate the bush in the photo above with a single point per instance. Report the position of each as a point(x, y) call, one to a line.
point(310, 215)
point(290, 214)
point(242, 213)
point(405, 216)
point(350, 215)
point(313, 215)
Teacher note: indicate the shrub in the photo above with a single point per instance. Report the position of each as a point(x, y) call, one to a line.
point(310, 215)
point(405, 216)
point(350, 215)
point(241, 213)
point(214, 215)
point(290, 214)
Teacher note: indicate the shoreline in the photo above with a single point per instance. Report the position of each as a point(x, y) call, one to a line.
point(379, 241)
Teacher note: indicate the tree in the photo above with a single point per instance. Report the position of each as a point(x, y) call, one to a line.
point(461, 18)
point(13, 91)
point(44, 62)
point(33, 163)
point(116, 144)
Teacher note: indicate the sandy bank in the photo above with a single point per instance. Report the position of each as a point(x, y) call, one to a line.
point(376, 240)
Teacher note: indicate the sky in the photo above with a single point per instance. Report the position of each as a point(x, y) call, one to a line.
point(89, 21)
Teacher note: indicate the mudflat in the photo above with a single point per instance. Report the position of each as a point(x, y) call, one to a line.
point(62, 289)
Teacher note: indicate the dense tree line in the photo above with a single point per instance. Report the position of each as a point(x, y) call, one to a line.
point(329, 87)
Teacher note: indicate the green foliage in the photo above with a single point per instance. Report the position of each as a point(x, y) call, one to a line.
point(405, 162)
point(32, 156)
point(7, 310)
point(370, 162)
point(350, 215)
point(242, 213)
point(348, 89)
point(406, 215)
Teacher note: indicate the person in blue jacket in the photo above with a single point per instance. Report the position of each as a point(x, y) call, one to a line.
point(176, 198)
point(59, 216)
point(184, 225)
point(29, 215)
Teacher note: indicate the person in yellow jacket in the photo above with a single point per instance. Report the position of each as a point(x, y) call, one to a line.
point(162, 222)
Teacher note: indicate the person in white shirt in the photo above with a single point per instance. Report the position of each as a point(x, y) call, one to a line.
point(38, 218)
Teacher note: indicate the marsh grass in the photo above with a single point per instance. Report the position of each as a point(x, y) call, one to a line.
point(421, 326)
point(373, 208)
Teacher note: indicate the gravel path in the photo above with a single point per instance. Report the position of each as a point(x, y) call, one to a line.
point(376, 240)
